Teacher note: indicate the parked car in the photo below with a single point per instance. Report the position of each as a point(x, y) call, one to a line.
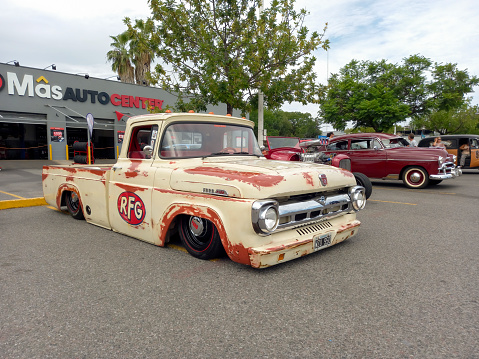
point(309, 150)
point(453, 142)
point(387, 156)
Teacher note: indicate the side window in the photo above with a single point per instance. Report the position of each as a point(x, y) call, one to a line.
point(142, 136)
point(375, 144)
point(361, 144)
point(474, 143)
point(338, 146)
point(450, 143)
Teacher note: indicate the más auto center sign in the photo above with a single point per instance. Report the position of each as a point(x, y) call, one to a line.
point(42, 88)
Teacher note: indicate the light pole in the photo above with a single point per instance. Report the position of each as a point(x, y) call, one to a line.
point(260, 99)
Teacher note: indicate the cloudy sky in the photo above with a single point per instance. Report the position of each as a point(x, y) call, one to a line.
point(76, 35)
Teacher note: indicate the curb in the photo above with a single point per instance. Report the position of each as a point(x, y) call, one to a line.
point(26, 202)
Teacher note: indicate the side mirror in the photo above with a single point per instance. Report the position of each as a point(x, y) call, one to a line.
point(148, 151)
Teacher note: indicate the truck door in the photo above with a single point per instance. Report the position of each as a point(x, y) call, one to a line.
point(131, 183)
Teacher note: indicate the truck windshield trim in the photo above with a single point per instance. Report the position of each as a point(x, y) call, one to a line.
point(205, 139)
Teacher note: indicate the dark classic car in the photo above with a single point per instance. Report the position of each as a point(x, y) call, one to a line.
point(453, 144)
point(308, 150)
point(386, 156)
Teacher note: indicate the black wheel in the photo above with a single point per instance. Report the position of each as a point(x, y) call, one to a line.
point(80, 159)
point(200, 237)
point(74, 205)
point(434, 182)
point(363, 180)
point(415, 177)
point(80, 146)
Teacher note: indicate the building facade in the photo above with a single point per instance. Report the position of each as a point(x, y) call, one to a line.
point(43, 112)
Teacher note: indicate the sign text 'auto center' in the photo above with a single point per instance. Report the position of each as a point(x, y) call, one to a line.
point(43, 89)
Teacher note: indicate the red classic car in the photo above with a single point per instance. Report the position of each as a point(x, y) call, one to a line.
point(308, 150)
point(386, 156)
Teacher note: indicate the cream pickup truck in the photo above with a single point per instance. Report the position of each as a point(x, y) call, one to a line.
point(203, 177)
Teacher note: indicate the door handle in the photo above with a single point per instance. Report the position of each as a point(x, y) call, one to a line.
point(116, 168)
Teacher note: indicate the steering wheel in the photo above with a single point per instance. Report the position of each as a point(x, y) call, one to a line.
point(228, 150)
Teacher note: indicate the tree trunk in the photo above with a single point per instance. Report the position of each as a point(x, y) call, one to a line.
point(229, 109)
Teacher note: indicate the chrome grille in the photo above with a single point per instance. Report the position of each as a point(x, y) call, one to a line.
point(297, 213)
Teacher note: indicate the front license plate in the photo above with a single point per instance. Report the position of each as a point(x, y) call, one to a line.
point(321, 241)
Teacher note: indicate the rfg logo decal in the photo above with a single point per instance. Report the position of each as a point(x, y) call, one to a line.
point(131, 208)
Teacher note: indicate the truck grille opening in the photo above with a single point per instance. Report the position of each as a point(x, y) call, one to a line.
point(298, 211)
point(314, 228)
point(345, 163)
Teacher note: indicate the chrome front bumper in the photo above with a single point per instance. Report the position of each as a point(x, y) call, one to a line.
point(446, 172)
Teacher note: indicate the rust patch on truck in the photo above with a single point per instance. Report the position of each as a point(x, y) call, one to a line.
point(309, 179)
point(236, 252)
point(66, 187)
point(280, 248)
point(133, 169)
point(130, 188)
point(349, 226)
point(194, 195)
point(255, 179)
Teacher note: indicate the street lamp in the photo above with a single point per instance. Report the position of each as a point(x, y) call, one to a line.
point(15, 62)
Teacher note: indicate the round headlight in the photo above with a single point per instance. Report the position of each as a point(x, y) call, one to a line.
point(358, 197)
point(270, 219)
point(265, 216)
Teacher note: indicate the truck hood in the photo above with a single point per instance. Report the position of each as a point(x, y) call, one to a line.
point(258, 178)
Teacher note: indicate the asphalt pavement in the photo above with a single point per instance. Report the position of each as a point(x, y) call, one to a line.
point(405, 287)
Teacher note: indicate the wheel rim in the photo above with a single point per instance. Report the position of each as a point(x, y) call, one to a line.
point(198, 233)
point(74, 202)
point(197, 226)
point(415, 177)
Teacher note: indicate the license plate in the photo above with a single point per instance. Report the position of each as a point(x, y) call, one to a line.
point(321, 241)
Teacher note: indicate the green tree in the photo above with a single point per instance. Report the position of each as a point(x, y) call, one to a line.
point(379, 94)
point(449, 87)
point(303, 124)
point(462, 120)
point(220, 52)
point(140, 50)
point(120, 58)
point(365, 94)
point(290, 124)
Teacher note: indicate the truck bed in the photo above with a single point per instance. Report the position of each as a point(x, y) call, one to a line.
point(87, 181)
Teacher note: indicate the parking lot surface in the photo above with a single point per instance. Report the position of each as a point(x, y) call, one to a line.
point(405, 287)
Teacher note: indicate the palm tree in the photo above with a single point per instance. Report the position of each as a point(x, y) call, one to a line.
point(141, 52)
point(120, 58)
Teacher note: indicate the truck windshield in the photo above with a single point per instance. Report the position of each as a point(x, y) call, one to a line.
point(184, 140)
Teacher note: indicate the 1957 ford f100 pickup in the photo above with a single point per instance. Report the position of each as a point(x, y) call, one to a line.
point(203, 177)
